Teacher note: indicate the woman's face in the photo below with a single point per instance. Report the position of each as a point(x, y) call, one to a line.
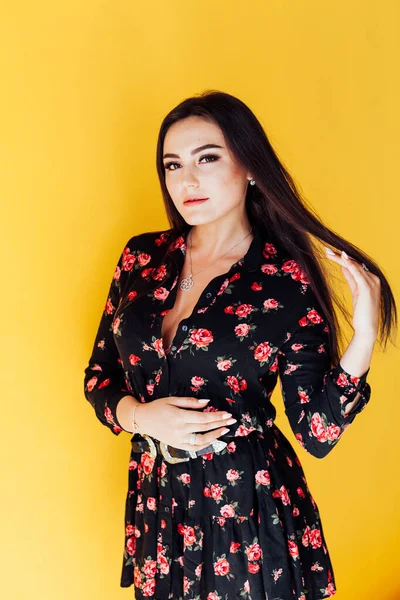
point(217, 177)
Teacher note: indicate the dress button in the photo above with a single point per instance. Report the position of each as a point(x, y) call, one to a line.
point(184, 327)
point(208, 295)
point(166, 509)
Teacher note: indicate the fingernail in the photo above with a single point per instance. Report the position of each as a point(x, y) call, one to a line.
point(231, 421)
point(344, 254)
point(224, 431)
point(226, 415)
point(203, 400)
point(329, 251)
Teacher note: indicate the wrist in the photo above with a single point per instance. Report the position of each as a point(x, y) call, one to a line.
point(136, 426)
point(367, 339)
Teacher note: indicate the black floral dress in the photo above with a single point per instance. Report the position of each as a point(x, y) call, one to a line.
point(240, 523)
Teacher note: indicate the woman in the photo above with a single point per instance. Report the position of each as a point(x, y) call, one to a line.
point(215, 308)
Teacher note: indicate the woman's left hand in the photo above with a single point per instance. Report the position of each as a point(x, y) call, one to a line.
point(366, 294)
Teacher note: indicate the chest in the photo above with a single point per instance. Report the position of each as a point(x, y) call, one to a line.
point(187, 300)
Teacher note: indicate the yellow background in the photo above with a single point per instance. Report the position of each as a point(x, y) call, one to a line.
point(84, 87)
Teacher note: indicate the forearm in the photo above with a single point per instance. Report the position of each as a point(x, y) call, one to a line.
point(124, 412)
point(356, 360)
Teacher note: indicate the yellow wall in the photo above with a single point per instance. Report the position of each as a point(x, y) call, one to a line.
point(84, 87)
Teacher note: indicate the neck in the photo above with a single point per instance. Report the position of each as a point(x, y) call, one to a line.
point(212, 241)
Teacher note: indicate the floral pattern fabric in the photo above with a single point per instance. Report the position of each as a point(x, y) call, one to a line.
point(241, 522)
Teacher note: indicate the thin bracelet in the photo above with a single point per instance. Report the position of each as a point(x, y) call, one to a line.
point(135, 425)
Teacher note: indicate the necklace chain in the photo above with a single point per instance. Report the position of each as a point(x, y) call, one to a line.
point(187, 282)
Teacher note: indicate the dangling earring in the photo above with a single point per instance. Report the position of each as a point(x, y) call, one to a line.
point(252, 181)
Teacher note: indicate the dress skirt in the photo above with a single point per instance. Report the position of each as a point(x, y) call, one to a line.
point(236, 524)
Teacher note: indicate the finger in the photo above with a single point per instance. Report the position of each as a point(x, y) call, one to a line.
point(360, 275)
point(350, 279)
point(191, 417)
point(204, 439)
point(207, 426)
point(187, 402)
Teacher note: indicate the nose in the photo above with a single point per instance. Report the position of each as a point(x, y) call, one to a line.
point(189, 177)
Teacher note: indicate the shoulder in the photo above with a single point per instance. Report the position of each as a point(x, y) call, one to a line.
point(144, 252)
point(150, 239)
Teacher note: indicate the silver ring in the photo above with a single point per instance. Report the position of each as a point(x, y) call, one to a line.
point(364, 266)
point(192, 439)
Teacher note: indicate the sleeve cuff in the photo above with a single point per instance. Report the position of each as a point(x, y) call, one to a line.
point(110, 411)
point(348, 387)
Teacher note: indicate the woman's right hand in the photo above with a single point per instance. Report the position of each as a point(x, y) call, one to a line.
point(166, 420)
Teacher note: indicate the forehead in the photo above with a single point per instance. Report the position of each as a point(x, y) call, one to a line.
point(192, 132)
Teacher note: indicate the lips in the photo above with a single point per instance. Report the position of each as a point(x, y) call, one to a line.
point(195, 200)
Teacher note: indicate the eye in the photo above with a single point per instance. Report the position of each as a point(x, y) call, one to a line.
point(167, 166)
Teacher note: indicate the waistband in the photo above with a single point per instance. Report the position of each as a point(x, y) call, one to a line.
point(243, 427)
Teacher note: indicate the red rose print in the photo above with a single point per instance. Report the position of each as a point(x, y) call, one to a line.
point(263, 352)
point(131, 546)
point(303, 322)
point(293, 549)
point(201, 338)
point(270, 303)
point(232, 475)
point(147, 463)
point(342, 380)
point(296, 347)
point(253, 567)
point(242, 329)
point(263, 478)
point(234, 547)
point(151, 503)
point(290, 266)
point(314, 316)
point(269, 269)
point(146, 272)
point(221, 567)
point(223, 287)
point(243, 310)
point(216, 491)
point(224, 365)
point(117, 273)
point(143, 259)
point(133, 359)
point(149, 587)
point(109, 308)
point(227, 511)
point(333, 432)
point(254, 552)
point(318, 427)
point(161, 293)
point(233, 383)
point(269, 250)
point(128, 260)
point(91, 383)
point(303, 396)
point(116, 324)
point(159, 273)
point(315, 538)
point(229, 310)
point(150, 568)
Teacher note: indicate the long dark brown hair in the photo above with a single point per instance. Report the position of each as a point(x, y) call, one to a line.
point(275, 204)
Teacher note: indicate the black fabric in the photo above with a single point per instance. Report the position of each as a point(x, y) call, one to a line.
point(242, 522)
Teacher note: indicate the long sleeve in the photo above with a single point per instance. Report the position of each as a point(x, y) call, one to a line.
point(316, 395)
point(104, 381)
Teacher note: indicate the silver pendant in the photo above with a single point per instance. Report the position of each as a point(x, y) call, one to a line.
point(187, 283)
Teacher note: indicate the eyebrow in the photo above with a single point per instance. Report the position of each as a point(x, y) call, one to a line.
point(195, 151)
